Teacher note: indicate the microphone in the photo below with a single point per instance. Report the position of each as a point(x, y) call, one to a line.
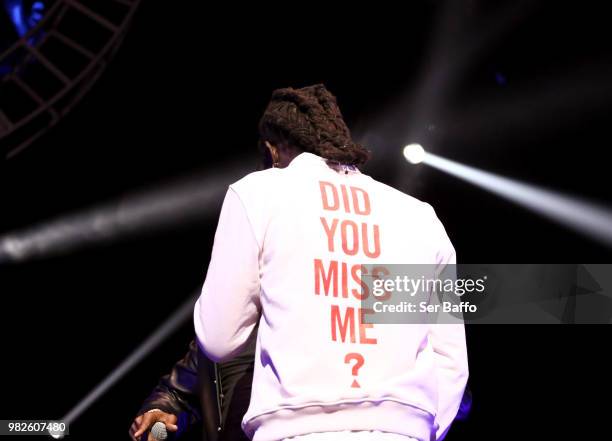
point(158, 431)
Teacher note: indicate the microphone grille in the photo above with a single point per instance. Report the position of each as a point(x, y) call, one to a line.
point(158, 431)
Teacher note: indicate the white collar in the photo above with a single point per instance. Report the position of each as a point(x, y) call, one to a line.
point(306, 158)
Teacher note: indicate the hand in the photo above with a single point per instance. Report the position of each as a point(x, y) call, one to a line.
point(144, 422)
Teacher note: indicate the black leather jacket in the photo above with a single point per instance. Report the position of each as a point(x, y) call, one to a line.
point(197, 389)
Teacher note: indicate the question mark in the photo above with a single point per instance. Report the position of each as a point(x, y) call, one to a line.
point(358, 363)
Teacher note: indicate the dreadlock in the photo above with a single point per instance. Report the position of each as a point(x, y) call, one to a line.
point(310, 120)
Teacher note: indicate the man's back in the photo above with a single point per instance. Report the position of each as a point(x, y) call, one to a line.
point(307, 230)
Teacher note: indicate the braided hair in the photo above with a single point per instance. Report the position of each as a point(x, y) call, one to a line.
point(309, 119)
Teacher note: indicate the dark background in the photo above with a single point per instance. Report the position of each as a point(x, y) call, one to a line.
point(184, 95)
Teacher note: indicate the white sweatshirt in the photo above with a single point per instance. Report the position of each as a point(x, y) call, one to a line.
point(281, 233)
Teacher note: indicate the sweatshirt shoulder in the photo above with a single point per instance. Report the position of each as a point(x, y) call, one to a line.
point(255, 183)
point(422, 215)
point(407, 202)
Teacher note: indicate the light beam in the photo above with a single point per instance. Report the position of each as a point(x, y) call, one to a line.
point(585, 217)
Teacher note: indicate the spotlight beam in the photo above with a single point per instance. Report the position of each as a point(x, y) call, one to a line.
point(584, 217)
point(181, 315)
point(174, 204)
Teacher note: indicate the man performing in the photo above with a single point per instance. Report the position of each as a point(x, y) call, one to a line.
point(285, 238)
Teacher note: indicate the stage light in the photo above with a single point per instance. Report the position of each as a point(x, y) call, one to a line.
point(176, 204)
point(25, 15)
point(578, 214)
point(414, 153)
point(56, 434)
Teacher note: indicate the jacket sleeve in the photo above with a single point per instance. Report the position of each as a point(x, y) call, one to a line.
point(228, 309)
point(177, 392)
point(447, 337)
